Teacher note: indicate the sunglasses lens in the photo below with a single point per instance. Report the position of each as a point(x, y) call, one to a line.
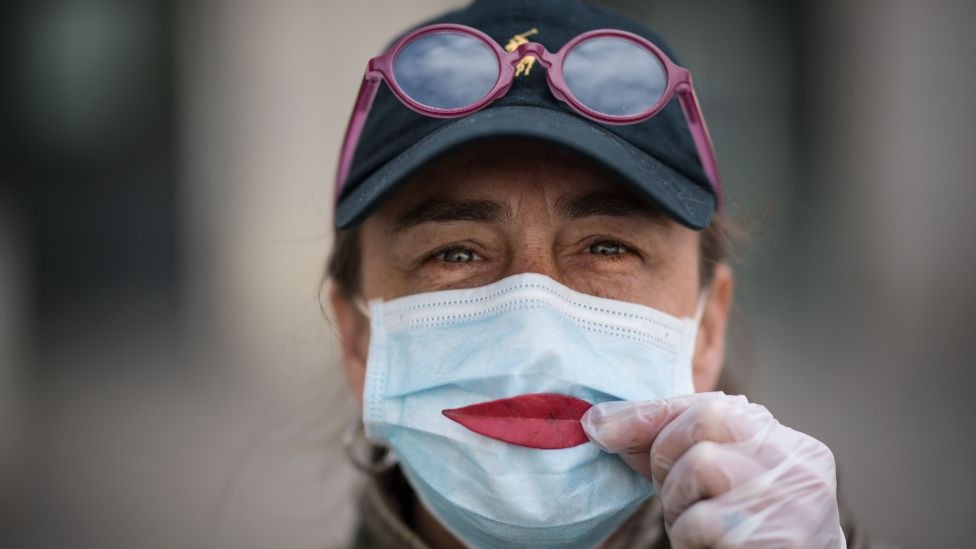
point(614, 76)
point(446, 70)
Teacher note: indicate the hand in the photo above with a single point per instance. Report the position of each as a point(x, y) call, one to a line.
point(728, 473)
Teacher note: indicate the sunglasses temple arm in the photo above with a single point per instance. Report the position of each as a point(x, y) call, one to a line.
point(703, 141)
point(364, 101)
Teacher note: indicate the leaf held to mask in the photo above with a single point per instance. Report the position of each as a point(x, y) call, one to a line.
point(541, 420)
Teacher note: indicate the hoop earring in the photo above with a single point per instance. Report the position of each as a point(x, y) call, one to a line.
point(355, 432)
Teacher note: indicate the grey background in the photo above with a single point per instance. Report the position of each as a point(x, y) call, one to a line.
point(167, 377)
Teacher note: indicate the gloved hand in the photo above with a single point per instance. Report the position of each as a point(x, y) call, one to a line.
point(728, 473)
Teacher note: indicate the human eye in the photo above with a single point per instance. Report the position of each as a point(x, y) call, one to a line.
point(456, 254)
point(439, 257)
point(456, 266)
point(606, 253)
point(607, 248)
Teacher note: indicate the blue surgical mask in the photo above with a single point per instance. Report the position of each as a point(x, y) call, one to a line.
point(524, 334)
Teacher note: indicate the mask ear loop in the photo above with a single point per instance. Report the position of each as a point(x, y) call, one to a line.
point(700, 307)
point(355, 432)
point(361, 306)
point(378, 464)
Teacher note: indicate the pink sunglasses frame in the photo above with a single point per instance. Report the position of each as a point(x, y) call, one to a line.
point(381, 68)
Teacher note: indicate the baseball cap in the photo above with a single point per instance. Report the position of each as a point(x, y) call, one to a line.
point(655, 159)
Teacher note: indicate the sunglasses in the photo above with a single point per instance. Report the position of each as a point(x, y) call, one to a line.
point(609, 76)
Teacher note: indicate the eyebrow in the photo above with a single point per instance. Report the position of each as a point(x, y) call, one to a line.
point(607, 203)
point(444, 211)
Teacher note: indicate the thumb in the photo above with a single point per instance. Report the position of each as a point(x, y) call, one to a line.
point(629, 428)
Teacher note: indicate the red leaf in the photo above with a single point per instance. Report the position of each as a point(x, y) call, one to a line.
point(542, 420)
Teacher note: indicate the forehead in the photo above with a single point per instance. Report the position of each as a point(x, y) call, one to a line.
point(510, 172)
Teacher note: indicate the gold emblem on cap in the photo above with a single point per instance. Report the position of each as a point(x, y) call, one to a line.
point(525, 65)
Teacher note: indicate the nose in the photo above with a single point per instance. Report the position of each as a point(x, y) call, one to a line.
point(534, 254)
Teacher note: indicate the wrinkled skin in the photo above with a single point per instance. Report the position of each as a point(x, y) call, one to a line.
point(497, 210)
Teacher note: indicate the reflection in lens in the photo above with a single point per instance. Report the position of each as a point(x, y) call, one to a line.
point(614, 76)
point(446, 70)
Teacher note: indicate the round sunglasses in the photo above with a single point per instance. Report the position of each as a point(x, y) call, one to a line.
point(607, 75)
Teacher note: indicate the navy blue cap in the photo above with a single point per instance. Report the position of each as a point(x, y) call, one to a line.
point(656, 159)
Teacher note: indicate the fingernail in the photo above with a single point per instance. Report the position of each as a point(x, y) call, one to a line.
point(601, 435)
point(591, 421)
point(611, 424)
point(606, 411)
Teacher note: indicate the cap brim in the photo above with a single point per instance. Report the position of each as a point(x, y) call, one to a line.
point(686, 201)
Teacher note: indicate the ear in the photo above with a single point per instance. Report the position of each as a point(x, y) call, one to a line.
point(710, 345)
point(353, 340)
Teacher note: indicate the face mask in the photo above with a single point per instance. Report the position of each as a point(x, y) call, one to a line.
point(524, 334)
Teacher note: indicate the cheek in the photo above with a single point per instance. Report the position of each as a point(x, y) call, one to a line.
point(628, 287)
point(670, 284)
point(376, 269)
point(683, 275)
point(375, 281)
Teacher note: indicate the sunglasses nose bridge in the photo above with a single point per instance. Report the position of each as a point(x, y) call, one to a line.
point(532, 49)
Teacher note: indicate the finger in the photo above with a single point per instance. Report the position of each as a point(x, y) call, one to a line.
point(706, 470)
point(702, 525)
point(631, 427)
point(765, 518)
point(729, 419)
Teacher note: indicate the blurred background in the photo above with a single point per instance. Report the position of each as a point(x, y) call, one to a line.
point(168, 379)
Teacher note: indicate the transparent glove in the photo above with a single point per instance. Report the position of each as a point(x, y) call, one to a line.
point(728, 474)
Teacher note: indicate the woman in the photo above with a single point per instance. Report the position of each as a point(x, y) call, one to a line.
point(537, 231)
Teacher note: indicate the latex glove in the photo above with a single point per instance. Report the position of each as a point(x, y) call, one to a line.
point(728, 473)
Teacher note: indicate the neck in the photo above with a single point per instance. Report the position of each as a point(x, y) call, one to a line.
point(429, 528)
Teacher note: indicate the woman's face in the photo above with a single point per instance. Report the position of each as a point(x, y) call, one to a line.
point(494, 211)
